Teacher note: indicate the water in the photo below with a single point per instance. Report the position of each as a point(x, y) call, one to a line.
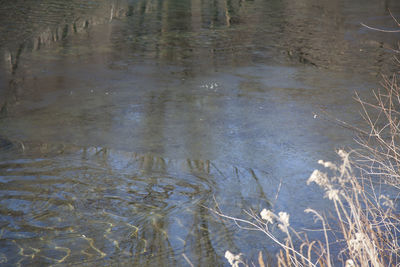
point(122, 122)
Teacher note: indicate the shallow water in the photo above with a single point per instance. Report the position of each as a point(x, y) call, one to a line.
point(122, 122)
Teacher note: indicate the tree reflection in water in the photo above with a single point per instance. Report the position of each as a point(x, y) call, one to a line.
point(98, 204)
point(116, 75)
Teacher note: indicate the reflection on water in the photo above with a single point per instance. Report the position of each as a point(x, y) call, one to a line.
point(68, 204)
point(121, 121)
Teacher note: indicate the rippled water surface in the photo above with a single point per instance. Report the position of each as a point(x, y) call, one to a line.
point(123, 122)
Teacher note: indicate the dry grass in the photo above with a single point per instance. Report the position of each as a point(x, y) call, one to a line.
point(367, 222)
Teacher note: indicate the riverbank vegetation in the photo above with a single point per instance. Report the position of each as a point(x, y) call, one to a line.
point(363, 190)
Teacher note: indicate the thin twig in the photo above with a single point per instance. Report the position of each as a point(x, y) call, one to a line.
point(380, 30)
point(187, 259)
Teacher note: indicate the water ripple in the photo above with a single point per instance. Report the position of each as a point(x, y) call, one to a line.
point(82, 205)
